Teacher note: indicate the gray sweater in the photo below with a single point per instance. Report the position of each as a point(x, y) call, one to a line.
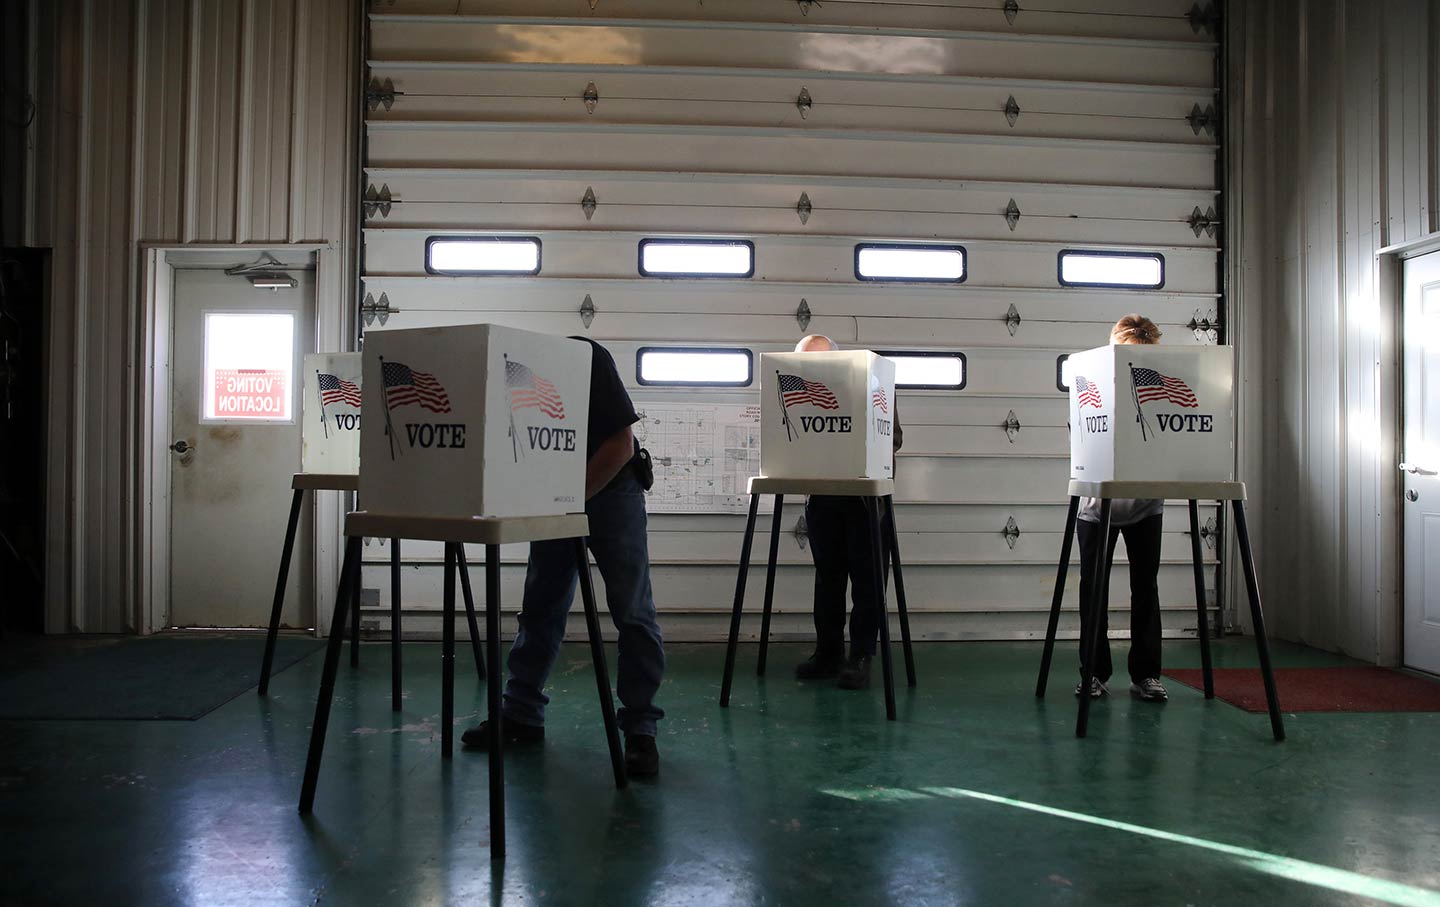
point(1123, 511)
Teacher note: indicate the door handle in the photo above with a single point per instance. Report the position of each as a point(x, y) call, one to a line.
point(182, 446)
point(1416, 470)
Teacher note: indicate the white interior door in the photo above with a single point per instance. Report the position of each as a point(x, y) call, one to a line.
point(1421, 463)
point(235, 416)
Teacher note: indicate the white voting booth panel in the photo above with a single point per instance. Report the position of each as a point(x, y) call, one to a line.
point(474, 420)
point(827, 415)
point(330, 414)
point(1152, 414)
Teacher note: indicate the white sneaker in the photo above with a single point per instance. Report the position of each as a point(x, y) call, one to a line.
point(1150, 690)
point(1097, 688)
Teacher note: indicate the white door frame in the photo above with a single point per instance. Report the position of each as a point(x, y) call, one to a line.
point(152, 547)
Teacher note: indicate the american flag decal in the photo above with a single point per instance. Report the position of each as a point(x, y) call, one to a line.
point(1151, 385)
point(529, 390)
point(1087, 393)
point(878, 400)
point(337, 390)
point(795, 390)
point(404, 386)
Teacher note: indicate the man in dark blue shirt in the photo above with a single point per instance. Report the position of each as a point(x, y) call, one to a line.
point(615, 504)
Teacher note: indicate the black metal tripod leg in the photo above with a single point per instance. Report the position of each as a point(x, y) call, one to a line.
point(279, 603)
point(1061, 572)
point(877, 561)
point(475, 643)
point(447, 657)
point(349, 573)
point(769, 584)
point(1257, 617)
point(597, 657)
point(395, 635)
point(1090, 646)
point(739, 603)
point(492, 702)
point(1202, 628)
point(900, 605)
point(355, 621)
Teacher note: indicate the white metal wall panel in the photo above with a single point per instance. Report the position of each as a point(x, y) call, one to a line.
point(696, 129)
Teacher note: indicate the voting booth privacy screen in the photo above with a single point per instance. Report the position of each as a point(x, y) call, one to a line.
point(330, 414)
point(1152, 414)
point(475, 420)
point(827, 415)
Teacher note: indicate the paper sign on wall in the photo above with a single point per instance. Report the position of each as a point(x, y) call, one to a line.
point(249, 393)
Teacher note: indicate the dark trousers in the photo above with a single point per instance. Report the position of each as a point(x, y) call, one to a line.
point(840, 544)
point(1142, 542)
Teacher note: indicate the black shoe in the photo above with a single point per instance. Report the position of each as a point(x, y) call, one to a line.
point(478, 737)
point(856, 673)
point(642, 760)
point(819, 667)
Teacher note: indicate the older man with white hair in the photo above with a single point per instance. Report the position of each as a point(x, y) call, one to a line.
point(840, 545)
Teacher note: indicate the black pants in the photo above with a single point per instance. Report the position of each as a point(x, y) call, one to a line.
point(1142, 542)
point(840, 544)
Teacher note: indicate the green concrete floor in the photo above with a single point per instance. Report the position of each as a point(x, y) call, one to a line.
point(796, 795)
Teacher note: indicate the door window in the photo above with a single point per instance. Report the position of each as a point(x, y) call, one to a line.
point(249, 367)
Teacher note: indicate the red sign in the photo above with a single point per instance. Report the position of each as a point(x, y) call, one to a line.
point(250, 393)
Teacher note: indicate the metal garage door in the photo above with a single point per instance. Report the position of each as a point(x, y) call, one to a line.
point(807, 128)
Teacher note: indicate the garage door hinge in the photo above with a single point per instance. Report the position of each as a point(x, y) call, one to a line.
point(1206, 119)
point(1012, 9)
point(1206, 18)
point(380, 94)
point(801, 532)
point(1204, 221)
point(588, 203)
point(804, 103)
point(1012, 215)
point(1012, 426)
point(1012, 110)
point(802, 315)
point(1209, 533)
point(370, 309)
point(805, 6)
point(1206, 325)
point(376, 201)
point(591, 97)
point(587, 311)
point(1011, 533)
point(1012, 319)
point(803, 208)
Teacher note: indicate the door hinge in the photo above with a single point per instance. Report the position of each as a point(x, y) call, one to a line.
point(1206, 18)
point(380, 94)
point(804, 102)
point(1012, 9)
point(1204, 221)
point(588, 203)
point(802, 315)
point(1011, 532)
point(376, 201)
point(370, 309)
point(1207, 119)
point(803, 208)
point(1012, 113)
point(587, 311)
point(1206, 325)
point(1012, 215)
point(1012, 426)
point(1012, 319)
point(591, 97)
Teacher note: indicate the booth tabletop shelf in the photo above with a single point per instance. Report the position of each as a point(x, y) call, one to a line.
point(869, 488)
point(472, 530)
point(325, 481)
point(1170, 491)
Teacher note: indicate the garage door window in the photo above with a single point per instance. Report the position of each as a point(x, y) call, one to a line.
point(1133, 270)
point(482, 255)
point(693, 367)
point(910, 262)
point(696, 258)
point(928, 370)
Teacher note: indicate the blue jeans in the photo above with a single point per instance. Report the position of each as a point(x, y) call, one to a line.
point(618, 541)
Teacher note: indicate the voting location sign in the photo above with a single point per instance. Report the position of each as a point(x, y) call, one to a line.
point(1152, 414)
point(330, 414)
point(473, 420)
point(827, 415)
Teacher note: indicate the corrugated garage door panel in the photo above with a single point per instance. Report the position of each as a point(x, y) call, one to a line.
point(891, 120)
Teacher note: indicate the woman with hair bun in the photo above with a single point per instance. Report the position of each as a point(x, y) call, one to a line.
point(1139, 521)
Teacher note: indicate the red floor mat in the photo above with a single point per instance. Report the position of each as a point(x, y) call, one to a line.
point(1355, 689)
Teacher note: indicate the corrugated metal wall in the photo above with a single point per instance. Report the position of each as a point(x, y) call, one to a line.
point(1333, 115)
point(165, 121)
point(697, 132)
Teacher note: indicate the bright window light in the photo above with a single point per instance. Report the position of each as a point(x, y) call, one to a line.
point(249, 367)
point(1137, 270)
point(693, 366)
point(928, 370)
point(880, 261)
point(1062, 373)
point(696, 258)
point(482, 255)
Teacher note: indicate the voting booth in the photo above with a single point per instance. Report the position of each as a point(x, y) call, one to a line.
point(1152, 414)
point(330, 414)
point(474, 420)
point(827, 415)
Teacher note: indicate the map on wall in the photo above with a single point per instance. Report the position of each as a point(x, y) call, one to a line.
point(703, 454)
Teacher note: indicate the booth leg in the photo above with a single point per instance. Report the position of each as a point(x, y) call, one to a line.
point(900, 605)
point(769, 584)
point(349, 574)
point(1257, 617)
point(739, 603)
point(470, 611)
point(355, 620)
point(279, 604)
point(877, 560)
point(1201, 615)
point(1090, 646)
point(447, 657)
point(1058, 598)
point(395, 635)
point(492, 702)
point(602, 674)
